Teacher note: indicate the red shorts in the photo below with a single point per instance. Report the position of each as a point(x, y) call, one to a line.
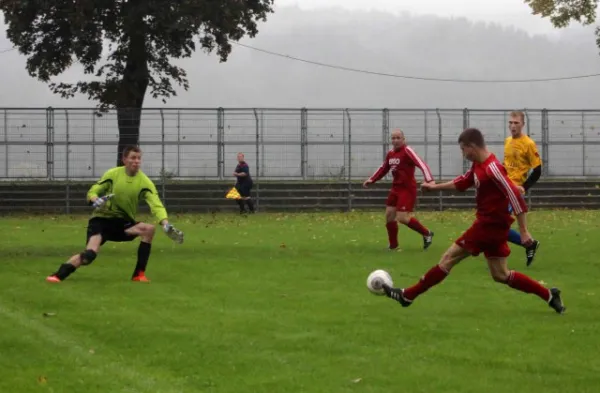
point(403, 199)
point(489, 238)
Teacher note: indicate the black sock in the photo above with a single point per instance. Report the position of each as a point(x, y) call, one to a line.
point(143, 256)
point(64, 271)
point(241, 203)
point(250, 205)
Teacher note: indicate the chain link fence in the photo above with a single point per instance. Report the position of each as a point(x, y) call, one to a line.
point(280, 144)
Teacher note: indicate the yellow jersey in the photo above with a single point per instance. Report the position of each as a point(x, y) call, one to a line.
point(520, 155)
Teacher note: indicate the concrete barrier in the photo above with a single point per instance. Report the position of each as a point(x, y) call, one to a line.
point(209, 196)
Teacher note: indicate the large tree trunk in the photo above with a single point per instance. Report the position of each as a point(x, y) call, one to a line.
point(129, 109)
point(128, 119)
point(132, 91)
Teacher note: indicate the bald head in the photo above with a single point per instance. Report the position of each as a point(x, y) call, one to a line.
point(397, 138)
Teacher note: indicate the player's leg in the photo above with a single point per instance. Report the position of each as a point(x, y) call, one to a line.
point(405, 205)
point(391, 226)
point(515, 238)
point(146, 234)
point(240, 201)
point(248, 197)
point(521, 282)
point(84, 258)
point(434, 276)
point(406, 218)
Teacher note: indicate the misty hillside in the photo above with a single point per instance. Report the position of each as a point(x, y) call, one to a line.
point(407, 45)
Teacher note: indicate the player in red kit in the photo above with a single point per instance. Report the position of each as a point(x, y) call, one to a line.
point(401, 161)
point(489, 232)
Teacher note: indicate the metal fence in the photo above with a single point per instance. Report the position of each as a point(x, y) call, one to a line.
point(290, 144)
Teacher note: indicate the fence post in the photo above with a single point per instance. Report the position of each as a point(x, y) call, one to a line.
point(178, 143)
point(6, 143)
point(257, 160)
point(466, 124)
point(303, 142)
point(50, 143)
point(385, 132)
point(440, 166)
point(262, 142)
point(162, 153)
point(349, 160)
point(528, 192)
point(583, 142)
point(545, 142)
point(67, 144)
point(425, 136)
point(220, 142)
point(94, 115)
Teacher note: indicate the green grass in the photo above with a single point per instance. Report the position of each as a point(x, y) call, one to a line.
point(278, 303)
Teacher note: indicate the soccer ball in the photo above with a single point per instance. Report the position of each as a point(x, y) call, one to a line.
point(376, 279)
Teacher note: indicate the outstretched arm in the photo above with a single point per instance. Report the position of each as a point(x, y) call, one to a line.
point(498, 175)
point(101, 187)
point(379, 174)
point(422, 165)
point(156, 207)
point(460, 183)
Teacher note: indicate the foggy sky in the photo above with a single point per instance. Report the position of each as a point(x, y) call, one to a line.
point(385, 39)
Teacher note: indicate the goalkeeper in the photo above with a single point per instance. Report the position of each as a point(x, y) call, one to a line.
point(115, 198)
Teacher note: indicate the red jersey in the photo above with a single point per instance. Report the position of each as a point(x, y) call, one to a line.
point(402, 163)
point(494, 191)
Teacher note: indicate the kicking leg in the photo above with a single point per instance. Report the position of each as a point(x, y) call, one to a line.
point(521, 282)
point(146, 234)
point(392, 227)
point(414, 224)
point(84, 258)
point(434, 276)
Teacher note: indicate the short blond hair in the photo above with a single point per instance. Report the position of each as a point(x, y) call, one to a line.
point(518, 114)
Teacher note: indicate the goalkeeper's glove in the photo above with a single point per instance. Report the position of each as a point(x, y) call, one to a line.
point(173, 233)
point(99, 202)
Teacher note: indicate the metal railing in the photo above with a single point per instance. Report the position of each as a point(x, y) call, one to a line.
point(280, 144)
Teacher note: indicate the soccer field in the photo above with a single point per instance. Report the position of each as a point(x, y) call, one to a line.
point(278, 303)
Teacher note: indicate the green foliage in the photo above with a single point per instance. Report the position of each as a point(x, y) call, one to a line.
point(142, 37)
point(562, 12)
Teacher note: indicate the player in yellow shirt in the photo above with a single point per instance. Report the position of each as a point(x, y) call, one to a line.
point(520, 157)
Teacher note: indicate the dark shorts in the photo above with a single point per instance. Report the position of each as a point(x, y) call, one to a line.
point(111, 229)
point(489, 239)
point(403, 199)
point(244, 189)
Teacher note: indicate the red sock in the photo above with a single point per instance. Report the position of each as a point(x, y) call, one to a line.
point(392, 230)
point(525, 284)
point(434, 276)
point(416, 226)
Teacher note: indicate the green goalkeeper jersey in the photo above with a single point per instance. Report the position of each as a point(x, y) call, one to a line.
point(128, 192)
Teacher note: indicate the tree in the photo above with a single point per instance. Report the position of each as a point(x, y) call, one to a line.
point(563, 12)
point(140, 36)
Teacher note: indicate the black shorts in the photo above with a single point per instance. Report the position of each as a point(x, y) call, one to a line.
point(244, 189)
point(111, 229)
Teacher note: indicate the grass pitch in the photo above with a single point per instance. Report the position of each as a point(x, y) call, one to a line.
point(278, 303)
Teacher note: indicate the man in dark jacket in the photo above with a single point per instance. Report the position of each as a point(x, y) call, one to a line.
point(243, 184)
